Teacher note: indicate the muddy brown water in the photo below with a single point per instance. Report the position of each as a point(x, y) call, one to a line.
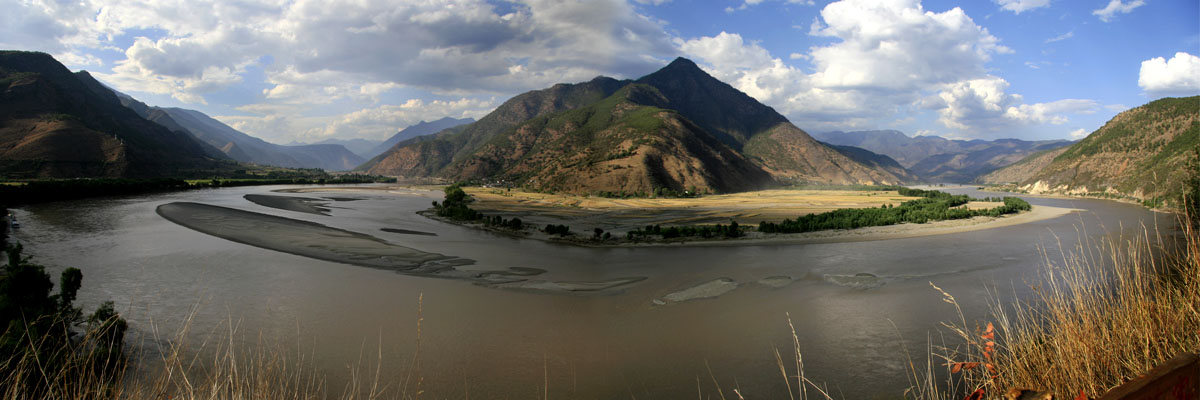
point(485, 342)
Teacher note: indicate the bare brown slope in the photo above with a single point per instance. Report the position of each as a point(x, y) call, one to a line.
point(792, 156)
point(427, 155)
point(624, 143)
point(54, 125)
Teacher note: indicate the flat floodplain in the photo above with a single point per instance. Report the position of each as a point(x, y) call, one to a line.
point(619, 215)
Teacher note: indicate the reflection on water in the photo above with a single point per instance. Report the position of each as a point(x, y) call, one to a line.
point(854, 305)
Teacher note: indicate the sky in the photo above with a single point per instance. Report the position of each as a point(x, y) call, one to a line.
point(309, 70)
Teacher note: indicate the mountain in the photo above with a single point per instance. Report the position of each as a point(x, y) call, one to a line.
point(1144, 152)
point(676, 128)
point(426, 155)
point(57, 124)
point(937, 159)
point(626, 142)
point(875, 160)
point(242, 147)
point(420, 129)
point(1021, 171)
point(360, 147)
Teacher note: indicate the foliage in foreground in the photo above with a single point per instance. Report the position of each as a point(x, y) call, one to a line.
point(42, 351)
point(1104, 314)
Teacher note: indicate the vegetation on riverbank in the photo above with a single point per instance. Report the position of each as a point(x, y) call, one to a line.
point(47, 348)
point(933, 206)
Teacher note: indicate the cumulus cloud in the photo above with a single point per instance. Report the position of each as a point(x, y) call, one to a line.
point(283, 124)
point(1115, 7)
point(1078, 134)
point(381, 122)
point(1019, 6)
point(320, 52)
point(444, 46)
point(887, 58)
point(1178, 76)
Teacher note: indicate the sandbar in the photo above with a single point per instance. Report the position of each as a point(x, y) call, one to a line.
point(710, 289)
point(306, 205)
point(302, 238)
point(313, 240)
point(407, 232)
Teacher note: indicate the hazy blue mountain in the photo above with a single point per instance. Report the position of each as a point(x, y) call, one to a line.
point(242, 147)
point(420, 129)
point(937, 159)
point(361, 147)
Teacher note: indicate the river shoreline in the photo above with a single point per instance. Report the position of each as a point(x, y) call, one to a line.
point(888, 232)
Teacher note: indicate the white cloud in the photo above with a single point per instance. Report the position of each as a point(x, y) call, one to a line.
point(1059, 38)
point(1052, 112)
point(281, 124)
point(1019, 6)
point(889, 57)
point(321, 52)
point(381, 122)
point(1078, 134)
point(1178, 76)
point(898, 45)
point(1115, 7)
point(750, 3)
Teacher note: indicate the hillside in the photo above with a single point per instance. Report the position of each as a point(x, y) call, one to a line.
point(53, 124)
point(420, 129)
point(624, 143)
point(427, 155)
point(875, 160)
point(1021, 171)
point(242, 147)
point(680, 101)
point(937, 159)
point(1143, 153)
point(358, 146)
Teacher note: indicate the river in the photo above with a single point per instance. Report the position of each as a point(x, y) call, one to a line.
point(484, 342)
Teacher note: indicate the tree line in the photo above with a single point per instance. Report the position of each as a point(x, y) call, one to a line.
point(932, 206)
point(732, 230)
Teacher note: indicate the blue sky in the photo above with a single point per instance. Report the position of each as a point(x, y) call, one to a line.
point(307, 70)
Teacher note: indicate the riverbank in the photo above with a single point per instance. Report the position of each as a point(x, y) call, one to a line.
point(616, 216)
point(900, 231)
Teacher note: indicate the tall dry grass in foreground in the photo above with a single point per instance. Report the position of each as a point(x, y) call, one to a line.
point(1104, 313)
point(216, 368)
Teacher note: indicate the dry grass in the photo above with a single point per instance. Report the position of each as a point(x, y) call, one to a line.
point(1103, 314)
point(218, 367)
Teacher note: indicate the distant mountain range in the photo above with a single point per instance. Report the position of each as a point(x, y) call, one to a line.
point(1146, 153)
point(937, 159)
point(677, 128)
point(420, 129)
point(54, 123)
point(242, 147)
point(358, 146)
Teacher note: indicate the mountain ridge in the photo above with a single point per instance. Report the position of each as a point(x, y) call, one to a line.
point(697, 104)
point(937, 159)
point(54, 124)
point(1146, 152)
